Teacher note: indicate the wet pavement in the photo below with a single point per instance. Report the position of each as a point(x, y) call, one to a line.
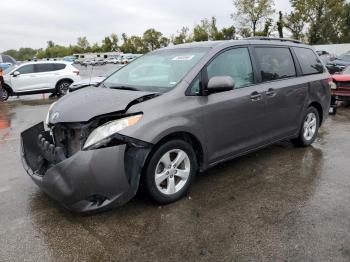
point(280, 203)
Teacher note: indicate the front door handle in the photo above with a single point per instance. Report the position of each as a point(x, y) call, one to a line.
point(271, 92)
point(255, 96)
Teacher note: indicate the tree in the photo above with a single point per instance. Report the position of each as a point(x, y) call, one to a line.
point(201, 32)
point(295, 23)
point(324, 19)
point(22, 54)
point(252, 12)
point(83, 43)
point(280, 24)
point(229, 33)
point(182, 37)
point(133, 44)
point(153, 39)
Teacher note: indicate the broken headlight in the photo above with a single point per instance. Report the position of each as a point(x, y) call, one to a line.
point(105, 131)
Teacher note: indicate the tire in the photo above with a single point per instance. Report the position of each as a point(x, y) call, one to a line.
point(311, 122)
point(62, 87)
point(165, 185)
point(4, 94)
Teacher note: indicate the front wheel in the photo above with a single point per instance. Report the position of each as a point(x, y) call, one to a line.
point(170, 171)
point(4, 94)
point(309, 129)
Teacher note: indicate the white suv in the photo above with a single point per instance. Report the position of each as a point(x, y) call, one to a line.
point(39, 77)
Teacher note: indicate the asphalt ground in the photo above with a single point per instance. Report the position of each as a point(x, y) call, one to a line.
point(278, 204)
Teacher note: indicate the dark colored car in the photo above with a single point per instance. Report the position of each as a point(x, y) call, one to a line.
point(174, 112)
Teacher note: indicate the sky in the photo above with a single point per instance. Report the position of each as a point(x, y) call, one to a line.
point(32, 23)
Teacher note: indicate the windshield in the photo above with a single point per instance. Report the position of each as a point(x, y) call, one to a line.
point(9, 69)
point(347, 71)
point(345, 57)
point(159, 71)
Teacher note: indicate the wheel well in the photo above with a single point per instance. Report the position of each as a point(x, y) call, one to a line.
point(65, 79)
point(319, 109)
point(185, 136)
point(8, 89)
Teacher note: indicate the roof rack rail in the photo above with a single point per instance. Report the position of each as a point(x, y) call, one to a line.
point(274, 39)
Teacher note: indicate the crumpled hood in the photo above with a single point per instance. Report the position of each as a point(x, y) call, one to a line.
point(85, 104)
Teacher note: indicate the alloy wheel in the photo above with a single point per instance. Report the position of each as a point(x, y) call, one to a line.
point(172, 171)
point(63, 88)
point(310, 126)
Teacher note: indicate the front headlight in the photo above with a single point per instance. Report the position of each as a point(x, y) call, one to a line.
point(47, 120)
point(109, 129)
point(333, 85)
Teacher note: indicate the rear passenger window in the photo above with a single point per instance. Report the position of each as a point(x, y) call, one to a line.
point(41, 68)
point(309, 62)
point(235, 63)
point(275, 63)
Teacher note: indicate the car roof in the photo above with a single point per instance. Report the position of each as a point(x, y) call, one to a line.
point(46, 62)
point(247, 41)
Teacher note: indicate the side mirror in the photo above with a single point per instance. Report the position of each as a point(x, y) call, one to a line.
point(15, 74)
point(220, 84)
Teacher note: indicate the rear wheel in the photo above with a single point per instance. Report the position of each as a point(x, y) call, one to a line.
point(62, 87)
point(309, 129)
point(170, 171)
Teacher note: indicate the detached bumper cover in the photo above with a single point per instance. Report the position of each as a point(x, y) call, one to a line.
point(89, 180)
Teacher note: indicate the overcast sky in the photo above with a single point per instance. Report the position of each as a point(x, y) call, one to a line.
point(31, 23)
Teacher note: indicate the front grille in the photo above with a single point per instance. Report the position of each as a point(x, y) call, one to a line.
point(343, 85)
point(70, 138)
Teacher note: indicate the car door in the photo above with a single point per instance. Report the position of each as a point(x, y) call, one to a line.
point(234, 119)
point(285, 93)
point(45, 74)
point(26, 79)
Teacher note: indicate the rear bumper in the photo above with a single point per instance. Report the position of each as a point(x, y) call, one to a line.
point(88, 181)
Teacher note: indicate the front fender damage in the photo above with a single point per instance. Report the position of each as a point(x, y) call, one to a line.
point(89, 180)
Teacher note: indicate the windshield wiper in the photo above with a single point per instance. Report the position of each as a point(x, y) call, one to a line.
point(124, 88)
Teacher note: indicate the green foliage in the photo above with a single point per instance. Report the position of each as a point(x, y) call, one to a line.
point(22, 54)
point(252, 12)
point(316, 21)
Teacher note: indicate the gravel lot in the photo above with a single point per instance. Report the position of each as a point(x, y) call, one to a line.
point(279, 204)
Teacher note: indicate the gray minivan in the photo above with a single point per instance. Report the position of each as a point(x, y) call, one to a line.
point(174, 112)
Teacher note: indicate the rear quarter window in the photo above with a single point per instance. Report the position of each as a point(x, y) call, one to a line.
point(309, 61)
point(58, 67)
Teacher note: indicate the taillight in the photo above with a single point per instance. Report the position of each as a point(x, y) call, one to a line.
point(77, 72)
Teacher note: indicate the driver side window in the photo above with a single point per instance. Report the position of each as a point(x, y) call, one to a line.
point(235, 63)
point(27, 69)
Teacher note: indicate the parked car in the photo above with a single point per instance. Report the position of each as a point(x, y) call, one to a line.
point(342, 60)
point(6, 61)
point(171, 113)
point(94, 81)
point(39, 77)
point(113, 60)
point(70, 59)
point(341, 89)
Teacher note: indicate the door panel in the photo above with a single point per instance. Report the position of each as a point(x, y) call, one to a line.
point(234, 122)
point(285, 101)
point(285, 93)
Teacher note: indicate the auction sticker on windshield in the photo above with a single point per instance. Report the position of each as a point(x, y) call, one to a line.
point(183, 58)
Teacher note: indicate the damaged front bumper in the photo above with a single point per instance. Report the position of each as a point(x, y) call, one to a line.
point(88, 181)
